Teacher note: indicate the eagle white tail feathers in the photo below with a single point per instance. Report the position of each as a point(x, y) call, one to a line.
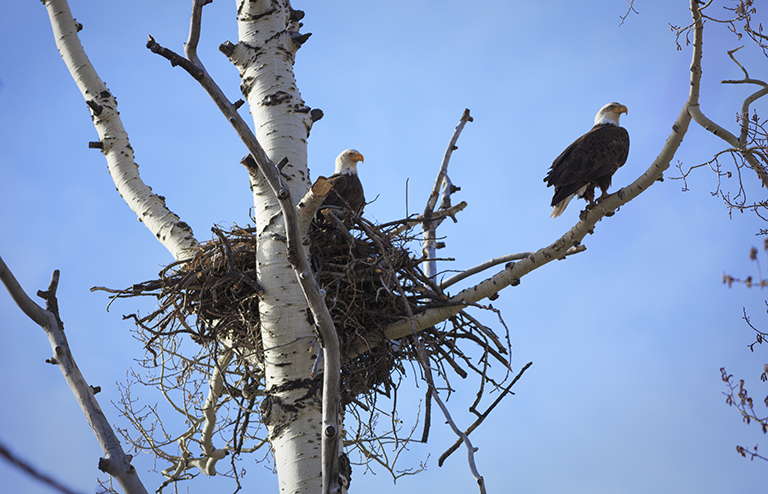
point(560, 206)
point(558, 210)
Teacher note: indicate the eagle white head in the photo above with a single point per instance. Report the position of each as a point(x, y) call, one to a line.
point(610, 113)
point(346, 162)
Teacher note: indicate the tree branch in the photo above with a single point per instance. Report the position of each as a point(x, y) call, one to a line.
point(215, 390)
point(630, 9)
point(429, 226)
point(32, 472)
point(496, 261)
point(312, 200)
point(412, 221)
point(40, 316)
point(482, 416)
point(470, 449)
point(174, 234)
point(115, 462)
point(432, 201)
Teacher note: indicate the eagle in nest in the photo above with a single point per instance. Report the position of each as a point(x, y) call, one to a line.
point(347, 191)
point(590, 161)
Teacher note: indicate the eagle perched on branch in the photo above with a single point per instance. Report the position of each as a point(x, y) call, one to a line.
point(346, 191)
point(590, 161)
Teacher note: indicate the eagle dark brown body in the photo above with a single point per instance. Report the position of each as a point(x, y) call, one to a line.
point(346, 188)
point(347, 192)
point(590, 161)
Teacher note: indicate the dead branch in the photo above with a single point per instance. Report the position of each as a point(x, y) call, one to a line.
point(115, 461)
point(411, 221)
point(470, 449)
point(495, 262)
point(33, 472)
point(428, 225)
point(432, 200)
point(312, 200)
point(482, 416)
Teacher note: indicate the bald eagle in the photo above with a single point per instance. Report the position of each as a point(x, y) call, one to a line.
point(347, 191)
point(590, 161)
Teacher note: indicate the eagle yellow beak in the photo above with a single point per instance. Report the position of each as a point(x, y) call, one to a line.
point(622, 109)
point(358, 157)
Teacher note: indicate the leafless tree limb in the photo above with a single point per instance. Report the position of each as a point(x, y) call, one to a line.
point(411, 221)
point(173, 233)
point(482, 416)
point(115, 462)
point(470, 449)
point(432, 200)
point(429, 226)
point(33, 472)
point(495, 262)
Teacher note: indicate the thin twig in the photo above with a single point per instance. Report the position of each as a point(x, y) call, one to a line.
point(496, 261)
point(33, 472)
point(470, 449)
point(483, 415)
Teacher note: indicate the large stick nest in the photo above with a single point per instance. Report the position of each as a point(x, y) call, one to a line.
point(369, 276)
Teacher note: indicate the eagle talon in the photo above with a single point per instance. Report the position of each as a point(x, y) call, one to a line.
point(603, 196)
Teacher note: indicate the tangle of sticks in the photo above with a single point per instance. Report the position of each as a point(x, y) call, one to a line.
point(362, 268)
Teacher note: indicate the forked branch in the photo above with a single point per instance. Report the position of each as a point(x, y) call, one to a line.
point(428, 224)
point(115, 461)
point(470, 449)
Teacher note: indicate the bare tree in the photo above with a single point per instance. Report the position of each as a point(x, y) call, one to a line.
point(290, 333)
point(745, 159)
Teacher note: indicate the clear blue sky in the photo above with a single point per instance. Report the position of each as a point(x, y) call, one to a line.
point(627, 339)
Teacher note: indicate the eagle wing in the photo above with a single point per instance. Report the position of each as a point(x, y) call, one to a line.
point(346, 192)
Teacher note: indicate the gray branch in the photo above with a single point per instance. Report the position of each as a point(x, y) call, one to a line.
point(429, 225)
point(495, 262)
point(33, 472)
point(115, 461)
point(470, 449)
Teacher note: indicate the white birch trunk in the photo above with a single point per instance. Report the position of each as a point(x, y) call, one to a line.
point(265, 56)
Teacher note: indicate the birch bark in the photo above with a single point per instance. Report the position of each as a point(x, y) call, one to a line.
point(174, 234)
point(268, 40)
